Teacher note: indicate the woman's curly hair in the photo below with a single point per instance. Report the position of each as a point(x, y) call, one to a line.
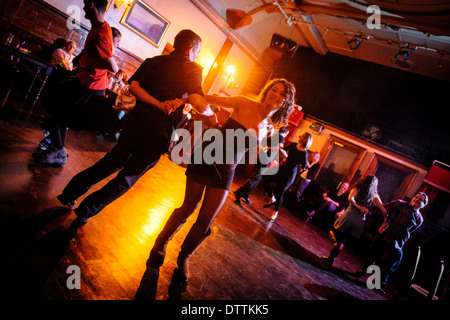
point(368, 190)
point(280, 117)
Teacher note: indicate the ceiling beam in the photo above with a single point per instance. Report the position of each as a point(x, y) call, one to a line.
point(435, 25)
point(313, 35)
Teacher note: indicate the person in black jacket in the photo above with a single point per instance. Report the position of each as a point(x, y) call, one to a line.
point(386, 247)
point(157, 85)
point(297, 158)
point(252, 183)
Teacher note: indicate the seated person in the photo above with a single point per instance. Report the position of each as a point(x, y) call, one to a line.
point(63, 56)
point(332, 204)
point(125, 101)
point(116, 82)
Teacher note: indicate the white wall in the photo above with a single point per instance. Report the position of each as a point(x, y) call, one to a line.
point(243, 66)
point(182, 14)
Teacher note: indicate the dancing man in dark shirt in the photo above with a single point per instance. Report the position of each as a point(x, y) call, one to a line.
point(386, 248)
point(157, 85)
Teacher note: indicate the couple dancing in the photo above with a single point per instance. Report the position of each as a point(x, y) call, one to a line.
point(157, 85)
point(213, 181)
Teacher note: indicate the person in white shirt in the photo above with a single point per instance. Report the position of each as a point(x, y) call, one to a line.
point(63, 56)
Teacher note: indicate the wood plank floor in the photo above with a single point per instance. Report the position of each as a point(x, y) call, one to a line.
point(246, 258)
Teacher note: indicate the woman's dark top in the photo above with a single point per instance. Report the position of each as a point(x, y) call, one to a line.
point(342, 199)
point(220, 174)
point(312, 171)
point(288, 171)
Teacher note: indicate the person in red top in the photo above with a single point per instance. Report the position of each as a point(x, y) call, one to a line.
point(97, 59)
point(78, 102)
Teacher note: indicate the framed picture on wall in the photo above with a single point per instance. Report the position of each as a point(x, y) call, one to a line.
point(109, 5)
point(146, 22)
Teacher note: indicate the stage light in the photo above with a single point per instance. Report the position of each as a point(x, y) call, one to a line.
point(401, 59)
point(356, 41)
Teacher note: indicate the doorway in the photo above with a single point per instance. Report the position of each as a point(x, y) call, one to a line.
point(341, 159)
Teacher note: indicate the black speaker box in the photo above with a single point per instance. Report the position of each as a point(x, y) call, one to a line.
point(283, 44)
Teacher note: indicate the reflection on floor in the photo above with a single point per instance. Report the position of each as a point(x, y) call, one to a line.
point(245, 258)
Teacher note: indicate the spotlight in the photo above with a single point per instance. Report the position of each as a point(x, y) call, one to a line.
point(356, 41)
point(402, 56)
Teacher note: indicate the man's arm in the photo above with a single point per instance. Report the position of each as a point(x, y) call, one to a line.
point(228, 102)
point(142, 95)
point(200, 104)
point(335, 203)
point(109, 64)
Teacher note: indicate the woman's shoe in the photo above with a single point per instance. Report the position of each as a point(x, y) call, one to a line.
point(180, 278)
point(270, 204)
point(333, 237)
point(178, 285)
point(327, 261)
point(337, 248)
point(274, 217)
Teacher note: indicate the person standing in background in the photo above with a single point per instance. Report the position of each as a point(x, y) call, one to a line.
point(351, 222)
point(297, 158)
point(386, 247)
point(78, 102)
point(147, 129)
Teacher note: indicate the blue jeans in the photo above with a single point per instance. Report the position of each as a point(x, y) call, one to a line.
point(385, 255)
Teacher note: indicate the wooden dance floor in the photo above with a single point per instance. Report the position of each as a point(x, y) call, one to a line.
point(245, 258)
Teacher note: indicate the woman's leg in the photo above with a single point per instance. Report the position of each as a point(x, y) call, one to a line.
point(212, 203)
point(338, 245)
point(266, 183)
point(192, 197)
point(279, 193)
point(279, 197)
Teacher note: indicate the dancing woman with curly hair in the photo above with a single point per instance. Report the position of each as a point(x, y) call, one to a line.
point(213, 180)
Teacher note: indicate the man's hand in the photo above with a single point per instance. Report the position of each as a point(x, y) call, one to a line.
point(169, 106)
